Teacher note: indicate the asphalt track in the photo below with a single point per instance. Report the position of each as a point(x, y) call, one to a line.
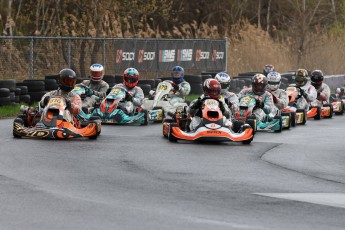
point(133, 178)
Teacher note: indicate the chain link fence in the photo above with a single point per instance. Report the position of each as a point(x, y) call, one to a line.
point(24, 57)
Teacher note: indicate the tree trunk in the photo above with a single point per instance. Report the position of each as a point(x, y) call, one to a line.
point(268, 16)
point(259, 14)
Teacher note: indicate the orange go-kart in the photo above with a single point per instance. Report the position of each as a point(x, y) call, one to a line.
point(211, 127)
point(319, 109)
point(50, 124)
point(297, 116)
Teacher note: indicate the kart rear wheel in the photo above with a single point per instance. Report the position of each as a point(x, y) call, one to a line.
point(304, 117)
point(330, 115)
point(318, 114)
point(251, 120)
point(285, 114)
point(280, 124)
point(236, 126)
point(293, 119)
point(247, 142)
point(166, 123)
point(146, 119)
point(171, 137)
point(341, 111)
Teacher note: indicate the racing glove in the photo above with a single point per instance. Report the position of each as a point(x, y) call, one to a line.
point(303, 93)
point(176, 87)
point(68, 104)
point(128, 97)
point(259, 104)
point(46, 100)
point(89, 92)
point(221, 106)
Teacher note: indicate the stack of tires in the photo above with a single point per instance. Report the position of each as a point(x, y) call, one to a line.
point(8, 92)
point(36, 89)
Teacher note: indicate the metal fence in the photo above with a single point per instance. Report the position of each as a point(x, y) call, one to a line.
point(24, 57)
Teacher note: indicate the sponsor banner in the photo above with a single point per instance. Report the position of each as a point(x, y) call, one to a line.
point(162, 55)
point(140, 54)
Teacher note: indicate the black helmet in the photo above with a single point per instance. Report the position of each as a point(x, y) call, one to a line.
point(67, 79)
point(316, 78)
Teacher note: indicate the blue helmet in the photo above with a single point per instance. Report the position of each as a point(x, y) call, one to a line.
point(177, 74)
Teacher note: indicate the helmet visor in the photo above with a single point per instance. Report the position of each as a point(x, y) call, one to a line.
point(96, 73)
point(300, 80)
point(273, 82)
point(131, 79)
point(68, 81)
point(225, 85)
point(176, 74)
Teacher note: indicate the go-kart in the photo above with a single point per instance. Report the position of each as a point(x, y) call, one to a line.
point(211, 127)
point(114, 110)
point(318, 110)
point(338, 104)
point(50, 124)
point(159, 106)
point(245, 112)
point(298, 116)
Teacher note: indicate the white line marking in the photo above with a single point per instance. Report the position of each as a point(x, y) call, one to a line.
point(330, 199)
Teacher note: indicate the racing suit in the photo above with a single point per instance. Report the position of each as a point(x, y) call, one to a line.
point(231, 100)
point(280, 98)
point(195, 111)
point(70, 96)
point(323, 93)
point(307, 94)
point(137, 99)
point(266, 99)
point(99, 90)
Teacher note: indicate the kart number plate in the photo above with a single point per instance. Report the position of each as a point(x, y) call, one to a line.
point(163, 87)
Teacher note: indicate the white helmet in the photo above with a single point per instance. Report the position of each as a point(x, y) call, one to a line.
point(97, 72)
point(224, 80)
point(274, 80)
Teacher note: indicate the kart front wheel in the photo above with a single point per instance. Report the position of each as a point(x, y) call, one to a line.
point(17, 122)
point(171, 137)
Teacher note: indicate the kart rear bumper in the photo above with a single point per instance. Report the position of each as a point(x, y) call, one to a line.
point(204, 134)
point(66, 131)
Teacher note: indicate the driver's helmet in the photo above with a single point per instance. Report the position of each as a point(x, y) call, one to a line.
point(177, 74)
point(259, 84)
point(274, 80)
point(301, 77)
point(224, 80)
point(267, 69)
point(67, 80)
point(316, 78)
point(130, 77)
point(211, 88)
point(96, 72)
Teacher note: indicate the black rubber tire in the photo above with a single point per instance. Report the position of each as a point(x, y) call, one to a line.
point(5, 92)
point(35, 85)
point(318, 115)
point(24, 89)
point(171, 137)
point(20, 121)
point(236, 126)
point(25, 98)
point(280, 124)
point(293, 119)
point(9, 84)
